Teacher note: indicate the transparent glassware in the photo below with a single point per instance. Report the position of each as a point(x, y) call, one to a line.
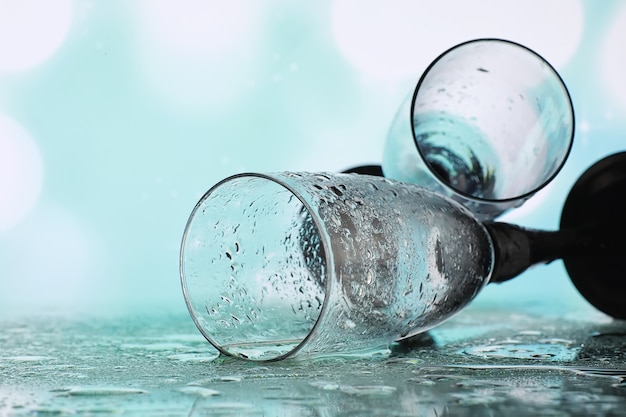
point(489, 124)
point(274, 264)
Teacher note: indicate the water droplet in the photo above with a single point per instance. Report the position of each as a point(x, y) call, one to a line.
point(51, 410)
point(524, 351)
point(28, 358)
point(408, 290)
point(154, 347)
point(367, 390)
point(529, 333)
point(193, 357)
point(199, 391)
point(556, 341)
point(325, 385)
point(336, 190)
point(478, 397)
point(509, 341)
point(542, 355)
point(103, 391)
point(230, 378)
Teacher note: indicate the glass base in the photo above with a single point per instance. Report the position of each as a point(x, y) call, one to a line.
point(595, 203)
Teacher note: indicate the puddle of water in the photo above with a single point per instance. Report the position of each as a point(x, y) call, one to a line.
point(529, 333)
point(548, 349)
point(618, 374)
point(230, 378)
point(556, 341)
point(358, 390)
point(206, 407)
point(525, 367)
point(199, 391)
point(609, 335)
point(97, 391)
point(193, 357)
point(155, 347)
point(27, 358)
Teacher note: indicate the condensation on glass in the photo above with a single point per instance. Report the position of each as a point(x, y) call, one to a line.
point(274, 264)
point(489, 124)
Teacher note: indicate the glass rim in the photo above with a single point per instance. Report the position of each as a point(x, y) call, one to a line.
point(324, 240)
point(439, 178)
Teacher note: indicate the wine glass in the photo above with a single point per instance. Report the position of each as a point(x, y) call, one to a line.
point(489, 124)
point(274, 265)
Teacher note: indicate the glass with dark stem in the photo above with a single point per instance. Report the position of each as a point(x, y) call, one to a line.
point(489, 124)
point(274, 265)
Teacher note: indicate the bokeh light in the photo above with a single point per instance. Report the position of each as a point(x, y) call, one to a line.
point(400, 38)
point(197, 55)
point(116, 116)
point(31, 31)
point(60, 254)
point(21, 172)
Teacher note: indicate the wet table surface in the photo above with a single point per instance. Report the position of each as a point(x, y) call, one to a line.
point(482, 362)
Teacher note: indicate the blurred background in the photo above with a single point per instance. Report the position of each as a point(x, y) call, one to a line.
point(116, 116)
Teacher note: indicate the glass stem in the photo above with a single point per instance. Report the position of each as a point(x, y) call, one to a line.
point(517, 248)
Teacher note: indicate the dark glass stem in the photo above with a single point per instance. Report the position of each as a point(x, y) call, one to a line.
point(517, 248)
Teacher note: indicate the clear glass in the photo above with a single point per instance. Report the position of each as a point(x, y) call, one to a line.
point(320, 263)
point(489, 124)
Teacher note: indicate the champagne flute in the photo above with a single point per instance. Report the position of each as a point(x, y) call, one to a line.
point(274, 265)
point(489, 124)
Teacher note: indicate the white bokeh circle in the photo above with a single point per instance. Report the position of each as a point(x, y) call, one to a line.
point(399, 38)
point(52, 260)
point(31, 31)
point(197, 27)
point(21, 172)
point(613, 57)
point(196, 54)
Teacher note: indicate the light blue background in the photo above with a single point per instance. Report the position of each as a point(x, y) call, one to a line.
point(130, 111)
